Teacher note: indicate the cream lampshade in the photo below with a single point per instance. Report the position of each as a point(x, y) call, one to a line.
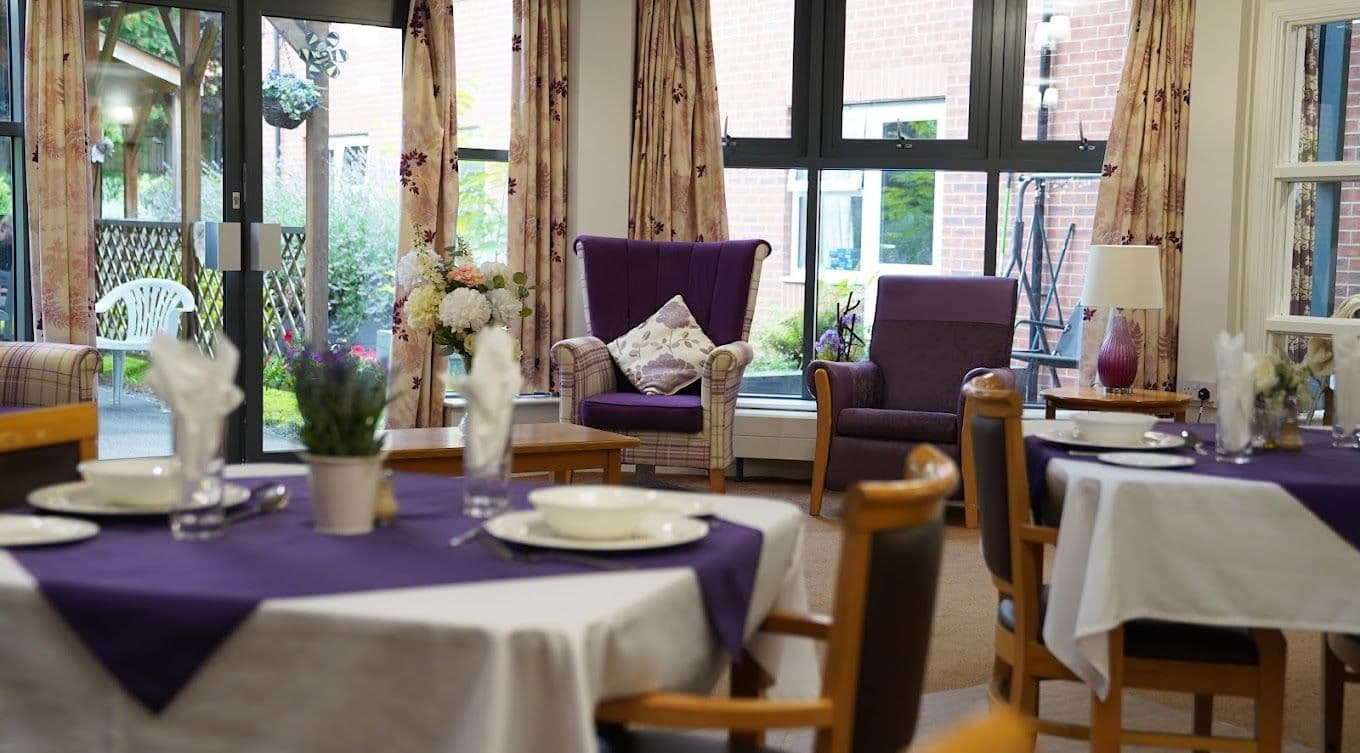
point(1121, 277)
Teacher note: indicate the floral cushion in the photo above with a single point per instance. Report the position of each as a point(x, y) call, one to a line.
point(665, 353)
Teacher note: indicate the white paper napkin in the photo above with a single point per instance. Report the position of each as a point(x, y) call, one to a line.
point(1346, 365)
point(200, 390)
point(1236, 390)
point(489, 391)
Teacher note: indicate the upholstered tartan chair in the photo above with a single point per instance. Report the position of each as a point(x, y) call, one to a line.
point(930, 334)
point(625, 282)
point(42, 375)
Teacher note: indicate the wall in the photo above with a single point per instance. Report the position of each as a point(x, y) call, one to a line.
point(1223, 33)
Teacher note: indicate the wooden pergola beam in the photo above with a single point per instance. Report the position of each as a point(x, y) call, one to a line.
point(175, 42)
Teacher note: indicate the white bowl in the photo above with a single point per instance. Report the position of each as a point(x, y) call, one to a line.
point(148, 482)
point(1113, 428)
point(599, 513)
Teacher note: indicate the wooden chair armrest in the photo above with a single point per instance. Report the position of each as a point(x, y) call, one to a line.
point(1040, 534)
point(817, 626)
point(685, 711)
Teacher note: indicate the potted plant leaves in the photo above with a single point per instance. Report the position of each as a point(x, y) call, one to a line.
point(287, 100)
point(341, 395)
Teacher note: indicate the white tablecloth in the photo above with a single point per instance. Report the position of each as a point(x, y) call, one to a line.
point(511, 667)
point(1175, 546)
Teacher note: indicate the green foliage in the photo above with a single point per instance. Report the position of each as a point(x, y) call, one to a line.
point(6, 194)
point(276, 373)
point(296, 96)
point(146, 31)
point(341, 397)
point(134, 371)
point(779, 344)
point(481, 208)
point(281, 411)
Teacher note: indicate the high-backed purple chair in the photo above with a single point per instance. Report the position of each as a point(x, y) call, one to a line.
point(625, 282)
point(930, 335)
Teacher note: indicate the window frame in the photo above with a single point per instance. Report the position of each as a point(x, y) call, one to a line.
point(1274, 171)
point(993, 147)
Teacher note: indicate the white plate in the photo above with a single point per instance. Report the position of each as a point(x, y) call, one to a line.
point(1145, 459)
point(1153, 440)
point(40, 530)
point(689, 504)
point(78, 498)
point(658, 530)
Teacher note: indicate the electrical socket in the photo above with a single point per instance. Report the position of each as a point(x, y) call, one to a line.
point(1192, 388)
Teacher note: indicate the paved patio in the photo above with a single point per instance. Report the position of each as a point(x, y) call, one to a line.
point(140, 427)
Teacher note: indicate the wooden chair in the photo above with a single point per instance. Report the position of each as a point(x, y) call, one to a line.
point(1145, 654)
point(42, 446)
point(1340, 665)
point(875, 648)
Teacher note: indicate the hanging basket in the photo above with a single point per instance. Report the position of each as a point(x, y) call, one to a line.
point(275, 115)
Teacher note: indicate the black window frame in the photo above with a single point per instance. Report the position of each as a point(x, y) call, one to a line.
point(994, 145)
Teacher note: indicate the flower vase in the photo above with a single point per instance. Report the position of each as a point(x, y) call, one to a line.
point(344, 492)
point(1277, 423)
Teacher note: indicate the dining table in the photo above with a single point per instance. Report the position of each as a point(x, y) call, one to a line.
point(1272, 543)
point(273, 637)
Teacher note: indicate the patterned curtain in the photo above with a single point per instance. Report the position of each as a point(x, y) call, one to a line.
point(1142, 185)
point(1305, 206)
point(538, 176)
point(429, 201)
point(60, 180)
point(676, 191)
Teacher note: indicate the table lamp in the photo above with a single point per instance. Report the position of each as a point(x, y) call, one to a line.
point(1121, 277)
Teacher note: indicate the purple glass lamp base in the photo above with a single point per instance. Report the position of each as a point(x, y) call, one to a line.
point(1117, 364)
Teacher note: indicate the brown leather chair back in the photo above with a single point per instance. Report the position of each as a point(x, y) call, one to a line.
point(994, 473)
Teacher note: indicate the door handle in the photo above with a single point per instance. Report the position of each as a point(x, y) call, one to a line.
point(217, 245)
point(266, 244)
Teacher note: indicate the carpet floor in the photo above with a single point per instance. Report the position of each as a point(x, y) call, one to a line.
point(961, 644)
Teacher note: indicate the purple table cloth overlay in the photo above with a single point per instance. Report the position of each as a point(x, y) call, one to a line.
point(153, 609)
point(1324, 479)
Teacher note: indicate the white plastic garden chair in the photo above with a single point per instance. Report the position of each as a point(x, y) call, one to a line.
point(153, 305)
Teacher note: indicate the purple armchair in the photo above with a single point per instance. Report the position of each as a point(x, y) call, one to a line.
point(930, 335)
point(625, 282)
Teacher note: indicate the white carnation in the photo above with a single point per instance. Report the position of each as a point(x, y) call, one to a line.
point(491, 269)
point(422, 308)
point(1263, 372)
point(417, 268)
point(505, 307)
point(464, 309)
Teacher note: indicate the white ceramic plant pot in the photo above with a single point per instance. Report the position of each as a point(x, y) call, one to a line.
point(344, 492)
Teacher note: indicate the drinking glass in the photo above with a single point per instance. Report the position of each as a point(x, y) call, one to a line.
point(198, 512)
point(486, 481)
point(1346, 412)
point(1233, 437)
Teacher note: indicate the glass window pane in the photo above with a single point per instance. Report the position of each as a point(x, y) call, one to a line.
point(1074, 56)
point(1043, 239)
point(1326, 110)
point(8, 303)
point(1325, 248)
point(772, 204)
point(8, 59)
point(907, 62)
point(753, 52)
point(889, 222)
point(482, 208)
point(483, 29)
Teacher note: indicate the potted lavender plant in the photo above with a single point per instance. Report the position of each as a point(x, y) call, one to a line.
point(341, 396)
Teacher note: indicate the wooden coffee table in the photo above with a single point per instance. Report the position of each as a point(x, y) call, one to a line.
point(1155, 402)
point(556, 448)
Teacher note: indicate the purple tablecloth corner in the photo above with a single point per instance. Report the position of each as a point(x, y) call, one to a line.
point(1324, 479)
point(152, 610)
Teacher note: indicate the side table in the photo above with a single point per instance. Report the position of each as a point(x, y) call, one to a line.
point(1155, 402)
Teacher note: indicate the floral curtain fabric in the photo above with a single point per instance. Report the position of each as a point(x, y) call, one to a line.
point(676, 190)
point(429, 201)
point(537, 184)
point(1142, 186)
point(60, 180)
point(1305, 205)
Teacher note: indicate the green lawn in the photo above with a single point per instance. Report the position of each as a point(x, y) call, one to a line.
point(280, 406)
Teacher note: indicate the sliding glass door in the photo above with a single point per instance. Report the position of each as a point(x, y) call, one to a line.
point(249, 153)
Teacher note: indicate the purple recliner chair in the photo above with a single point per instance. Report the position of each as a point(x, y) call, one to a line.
point(930, 335)
point(625, 282)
